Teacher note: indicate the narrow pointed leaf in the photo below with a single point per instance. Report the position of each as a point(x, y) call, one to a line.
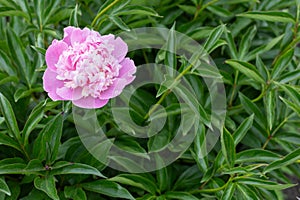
point(273, 16)
point(287, 160)
point(9, 116)
point(108, 188)
point(247, 69)
point(228, 147)
point(241, 131)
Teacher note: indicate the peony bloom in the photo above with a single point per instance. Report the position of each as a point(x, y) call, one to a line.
point(87, 68)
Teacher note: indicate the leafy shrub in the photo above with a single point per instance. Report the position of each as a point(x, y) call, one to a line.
point(254, 45)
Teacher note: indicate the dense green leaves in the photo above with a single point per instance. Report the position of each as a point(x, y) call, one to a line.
point(252, 155)
point(108, 188)
point(287, 160)
point(248, 69)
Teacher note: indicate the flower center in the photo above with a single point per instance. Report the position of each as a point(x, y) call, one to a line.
point(90, 66)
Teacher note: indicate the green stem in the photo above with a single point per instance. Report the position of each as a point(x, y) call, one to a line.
point(165, 94)
point(103, 11)
point(214, 189)
point(203, 7)
point(261, 95)
point(275, 131)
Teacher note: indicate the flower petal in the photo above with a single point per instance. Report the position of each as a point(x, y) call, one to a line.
point(51, 83)
point(69, 94)
point(79, 36)
point(128, 68)
point(67, 34)
point(114, 90)
point(53, 52)
point(90, 102)
point(120, 49)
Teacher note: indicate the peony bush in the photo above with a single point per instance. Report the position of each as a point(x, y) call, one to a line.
point(60, 59)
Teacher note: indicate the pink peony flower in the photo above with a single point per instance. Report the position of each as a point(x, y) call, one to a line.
point(87, 68)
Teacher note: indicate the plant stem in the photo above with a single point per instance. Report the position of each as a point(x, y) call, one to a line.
point(165, 94)
point(103, 11)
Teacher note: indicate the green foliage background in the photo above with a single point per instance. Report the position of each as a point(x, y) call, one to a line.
point(254, 45)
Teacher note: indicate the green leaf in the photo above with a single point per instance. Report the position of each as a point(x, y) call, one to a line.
point(39, 50)
point(241, 131)
point(260, 183)
point(36, 194)
point(6, 65)
point(213, 38)
point(47, 185)
point(12, 166)
point(138, 10)
point(291, 105)
point(248, 69)
point(291, 91)
point(219, 10)
point(19, 56)
point(33, 166)
point(286, 160)
point(246, 193)
point(119, 22)
point(273, 16)
point(47, 143)
point(163, 179)
point(228, 147)
point(200, 152)
point(9, 141)
point(262, 69)
point(4, 187)
point(107, 188)
point(7, 11)
point(263, 48)
point(246, 42)
point(34, 118)
point(289, 76)
point(289, 137)
point(251, 108)
point(15, 190)
point(188, 9)
point(229, 191)
point(231, 44)
point(24, 92)
point(73, 21)
point(136, 180)
point(168, 84)
point(282, 63)
point(270, 103)
point(9, 116)
point(61, 14)
point(179, 195)
point(256, 155)
point(75, 193)
point(63, 167)
point(171, 47)
point(6, 79)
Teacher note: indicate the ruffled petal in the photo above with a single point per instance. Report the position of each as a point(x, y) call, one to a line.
point(90, 102)
point(51, 84)
point(53, 52)
point(67, 34)
point(79, 36)
point(120, 49)
point(128, 68)
point(114, 90)
point(69, 94)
